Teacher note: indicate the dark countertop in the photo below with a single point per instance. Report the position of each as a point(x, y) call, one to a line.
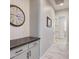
point(18, 42)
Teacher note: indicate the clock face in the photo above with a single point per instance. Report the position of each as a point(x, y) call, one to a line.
point(17, 16)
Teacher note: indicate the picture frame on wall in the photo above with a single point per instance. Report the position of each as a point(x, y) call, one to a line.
point(49, 22)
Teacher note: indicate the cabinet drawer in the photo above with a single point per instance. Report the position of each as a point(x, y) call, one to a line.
point(18, 50)
point(33, 44)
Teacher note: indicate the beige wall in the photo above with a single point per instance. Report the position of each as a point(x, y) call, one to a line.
point(23, 31)
point(34, 17)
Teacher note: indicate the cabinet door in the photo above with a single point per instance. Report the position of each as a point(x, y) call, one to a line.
point(21, 56)
point(34, 52)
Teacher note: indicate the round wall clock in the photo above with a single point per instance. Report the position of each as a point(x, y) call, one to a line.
point(17, 16)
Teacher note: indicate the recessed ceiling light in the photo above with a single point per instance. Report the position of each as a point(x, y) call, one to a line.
point(61, 4)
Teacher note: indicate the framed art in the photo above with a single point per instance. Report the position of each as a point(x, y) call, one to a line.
point(49, 22)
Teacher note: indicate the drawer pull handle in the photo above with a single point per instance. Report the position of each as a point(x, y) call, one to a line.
point(19, 51)
point(29, 53)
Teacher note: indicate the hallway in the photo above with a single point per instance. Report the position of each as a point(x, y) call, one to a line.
point(58, 41)
point(46, 20)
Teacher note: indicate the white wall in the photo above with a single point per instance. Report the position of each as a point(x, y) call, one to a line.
point(46, 34)
point(39, 10)
point(22, 31)
point(61, 26)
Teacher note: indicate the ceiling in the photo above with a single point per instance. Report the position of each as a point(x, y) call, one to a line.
point(59, 4)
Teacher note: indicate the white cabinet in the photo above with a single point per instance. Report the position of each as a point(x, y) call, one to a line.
point(28, 51)
point(21, 56)
point(34, 50)
point(19, 52)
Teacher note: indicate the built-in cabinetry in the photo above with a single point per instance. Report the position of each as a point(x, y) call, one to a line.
point(27, 51)
point(34, 50)
point(21, 56)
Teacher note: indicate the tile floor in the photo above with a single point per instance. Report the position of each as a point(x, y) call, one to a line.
point(57, 51)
